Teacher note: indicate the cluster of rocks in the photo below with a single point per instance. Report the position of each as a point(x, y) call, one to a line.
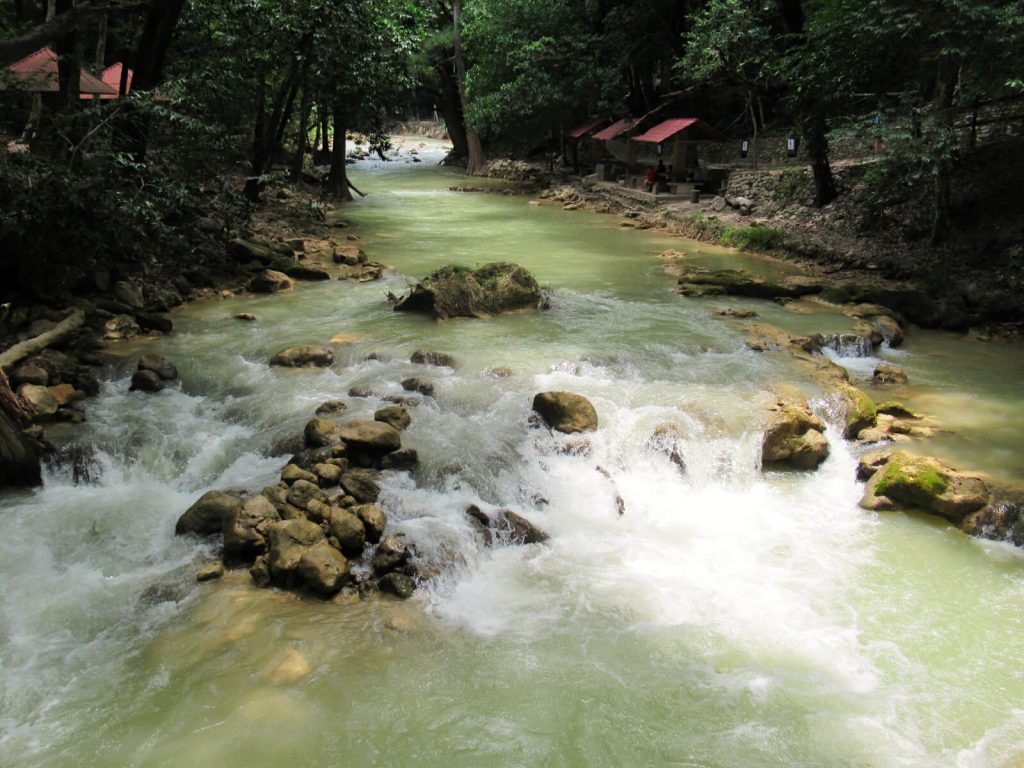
point(52, 384)
point(153, 373)
point(274, 266)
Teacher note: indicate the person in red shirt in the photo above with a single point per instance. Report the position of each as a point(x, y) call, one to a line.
point(652, 178)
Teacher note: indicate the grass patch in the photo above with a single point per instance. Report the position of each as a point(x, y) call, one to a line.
point(751, 238)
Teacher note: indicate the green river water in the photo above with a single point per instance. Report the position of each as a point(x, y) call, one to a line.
point(728, 618)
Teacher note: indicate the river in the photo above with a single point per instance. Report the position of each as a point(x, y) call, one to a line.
point(729, 617)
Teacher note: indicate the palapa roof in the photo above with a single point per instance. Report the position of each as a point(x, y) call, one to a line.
point(585, 128)
point(615, 129)
point(111, 77)
point(670, 128)
point(38, 73)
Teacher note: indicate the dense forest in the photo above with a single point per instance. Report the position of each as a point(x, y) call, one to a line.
point(223, 91)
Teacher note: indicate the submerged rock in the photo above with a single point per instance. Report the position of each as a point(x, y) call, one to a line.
point(565, 411)
point(303, 356)
point(455, 291)
point(161, 366)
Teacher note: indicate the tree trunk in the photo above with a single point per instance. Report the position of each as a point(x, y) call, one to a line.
point(947, 72)
point(337, 181)
point(450, 105)
point(253, 184)
point(302, 140)
point(150, 55)
point(19, 460)
point(815, 130)
point(474, 149)
point(101, 42)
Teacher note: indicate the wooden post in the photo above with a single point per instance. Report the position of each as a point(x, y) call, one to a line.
point(630, 155)
point(678, 158)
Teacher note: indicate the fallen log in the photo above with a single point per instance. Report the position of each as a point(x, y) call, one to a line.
point(23, 349)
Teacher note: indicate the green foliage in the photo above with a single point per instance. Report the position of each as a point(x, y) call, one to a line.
point(754, 238)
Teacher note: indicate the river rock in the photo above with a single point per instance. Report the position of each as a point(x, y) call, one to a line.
point(154, 321)
point(793, 437)
point(244, 528)
point(64, 394)
point(161, 366)
point(455, 291)
point(859, 411)
point(331, 408)
point(405, 459)
point(322, 432)
point(271, 281)
point(327, 475)
point(374, 521)
point(699, 281)
point(246, 317)
point(207, 515)
point(925, 483)
point(886, 373)
point(999, 521)
point(349, 530)
point(414, 384)
point(898, 410)
point(392, 553)
point(428, 357)
point(146, 381)
point(566, 412)
point(39, 401)
point(398, 584)
point(323, 570)
point(287, 542)
point(360, 486)
point(128, 294)
point(30, 373)
point(303, 356)
point(870, 463)
point(121, 327)
point(210, 571)
point(393, 415)
point(294, 472)
point(372, 437)
point(302, 272)
point(513, 528)
point(303, 492)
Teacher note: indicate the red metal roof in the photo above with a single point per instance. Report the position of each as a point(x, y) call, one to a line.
point(670, 128)
point(37, 73)
point(584, 129)
point(615, 129)
point(111, 77)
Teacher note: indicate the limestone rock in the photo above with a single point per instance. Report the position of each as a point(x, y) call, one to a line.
point(303, 356)
point(374, 521)
point(402, 459)
point(360, 486)
point(146, 381)
point(566, 412)
point(397, 584)
point(349, 530)
point(414, 384)
point(513, 528)
point(429, 357)
point(320, 433)
point(121, 327)
point(373, 437)
point(327, 475)
point(287, 542)
point(999, 521)
point(39, 401)
point(30, 373)
point(392, 553)
point(454, 291)
point(793, 437)
point(889, 374)
point(323, 569)
point(925, 483)
point(859, 411)
point(393, 415)
point(271, 281)
point(244, 528)
point(210, 571)
point(161, 366)
point(302, 492)
point(208, 514)
point(294, 472)
point(331, 408)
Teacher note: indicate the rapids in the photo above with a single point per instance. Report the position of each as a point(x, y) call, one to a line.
point(728, 618)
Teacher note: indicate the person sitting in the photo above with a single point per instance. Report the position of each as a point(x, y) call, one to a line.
point(651, 179)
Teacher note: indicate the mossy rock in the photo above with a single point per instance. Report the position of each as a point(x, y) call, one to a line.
point(859, 411)
point(925, 483)
point(457, 291)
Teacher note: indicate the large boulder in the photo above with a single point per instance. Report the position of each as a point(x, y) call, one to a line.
point(245, 529)
point(360, 486)
point(320, 433)
point(793, 437)
point(271, 281)
point(39, 401)
point(999, 521)
point(349, 531)
point(699, 281)
point(372, 437)
point(565, 411)
point(323, 569)
point(208, 514)
point(455, 291)
point(925, 483)
point(161, 366)
point(859, 410)
point(303, 356)
point(374, 521)
point(396, 416)
point(288, 541)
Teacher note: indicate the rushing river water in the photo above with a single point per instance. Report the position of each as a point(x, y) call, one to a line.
point(728, 618)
